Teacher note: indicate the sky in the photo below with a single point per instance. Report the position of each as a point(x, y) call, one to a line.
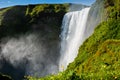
point(6, 3)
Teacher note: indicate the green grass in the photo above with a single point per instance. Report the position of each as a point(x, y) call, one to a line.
point(104, 64)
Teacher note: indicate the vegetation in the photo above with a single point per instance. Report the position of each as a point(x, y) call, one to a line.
point(36, 10)
point(87, 64)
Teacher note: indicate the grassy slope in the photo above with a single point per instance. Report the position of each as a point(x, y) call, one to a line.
point(107, 30)
point(98, 57)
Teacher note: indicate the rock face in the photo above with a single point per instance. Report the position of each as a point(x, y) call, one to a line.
point(96, 16)
point(29, 39)
point(76, 7)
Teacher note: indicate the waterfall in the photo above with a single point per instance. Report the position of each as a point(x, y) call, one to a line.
point(73, 27)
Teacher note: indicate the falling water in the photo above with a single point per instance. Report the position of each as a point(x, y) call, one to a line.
point(74, 25)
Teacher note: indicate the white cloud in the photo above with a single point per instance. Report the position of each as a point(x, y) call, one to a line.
point(9, 2)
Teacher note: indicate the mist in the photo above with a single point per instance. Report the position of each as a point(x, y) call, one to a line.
point(32, 53)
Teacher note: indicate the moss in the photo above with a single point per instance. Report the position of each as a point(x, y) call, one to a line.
point(46, 8)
